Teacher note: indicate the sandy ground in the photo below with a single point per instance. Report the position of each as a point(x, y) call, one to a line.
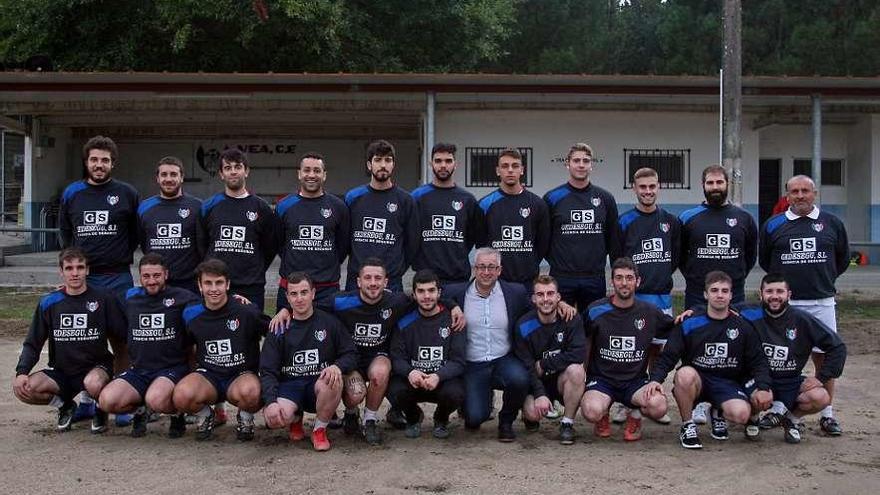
point(34, 458)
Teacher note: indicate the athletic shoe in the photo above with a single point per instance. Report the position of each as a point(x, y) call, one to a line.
point(244, 431)
point(351, 423)
point(83, 411)
point(441, 430)
point(619, 413)
point(220, 416)
point(689, 436)
point(663, 420)
point(65, 415)
point(319, 440)
point(791, 433)
point(602, 429)
point(414, 430)
point(771, 420)
point(177, 427)
point(830, 427)
point(555, 412)
point(566, 433)
point(139, 424)
point(531, 426)
point(372, 433)
point(719, 427)
point(295, 431)
point(699, 415)
point(753, 430)
point(122, 420)
point(99, 421)
point(632, 430)
point(396, 419)
point(506, 433)
point(205, 426)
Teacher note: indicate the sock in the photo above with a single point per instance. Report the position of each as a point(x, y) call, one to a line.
point(85, 398)
point(778, 408)
point(352, 410)
point(370, 415)
point(319, 424)
point(204, 412)
point(828, 412)
point(566, 420)
point(686, 422)
point(56, 402)
point(245, 416)
point(635, 414)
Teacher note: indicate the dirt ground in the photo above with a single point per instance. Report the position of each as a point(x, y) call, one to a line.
point(34, 458)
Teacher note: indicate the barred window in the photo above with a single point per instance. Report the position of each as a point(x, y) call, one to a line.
point(481, 162)
point(672, 166)
point(831, 170)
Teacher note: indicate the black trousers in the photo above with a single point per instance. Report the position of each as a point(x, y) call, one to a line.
point(449, 395)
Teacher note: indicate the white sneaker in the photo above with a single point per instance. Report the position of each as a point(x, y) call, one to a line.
point(699, 415)
point(555, 412)
point(619, 413)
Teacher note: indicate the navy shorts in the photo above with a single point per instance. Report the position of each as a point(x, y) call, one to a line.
point(551, 387)
point(716, 390)
point(785, 390)
point(220, 382)
point(142, 378)
point(621, 392)
point(71, 384)
point(300, 391)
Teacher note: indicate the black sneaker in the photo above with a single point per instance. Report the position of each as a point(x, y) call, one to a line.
point(505, 433)
point(244, 431)
point(441, 430)
point(65, 415)
point(770, 420)
point(178, 426)
point(205, 426)
point(791, 432)
point(351, 423)
point(139, 423)
point(719, 427)
point(372, 433)
point(689, 436)
point(566, 433)
point(99, 421)
point(335, 423)
point(531, 426)
point(830, 427)
point(752, 431)
point(396, 419)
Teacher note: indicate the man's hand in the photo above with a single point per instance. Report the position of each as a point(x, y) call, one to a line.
point(566, 311)
point(651, 389)
point(21, 387)
point(241, 299)
point(762, 400)
point(684, 315)
point(332, 376)
point(272, 413)
point(538, 369)
point(431, 381)
point(542, 405)
point(280, 322)
point(416, 378)
point(458, 321)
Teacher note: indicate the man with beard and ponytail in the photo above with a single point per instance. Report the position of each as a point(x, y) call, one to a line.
point(789, 335)
point(450, 220)
point(241, 228)
point(384, 223)
point(157, 347)
point(169, 225)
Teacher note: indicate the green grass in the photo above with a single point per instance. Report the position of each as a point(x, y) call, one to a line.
point(18, 304)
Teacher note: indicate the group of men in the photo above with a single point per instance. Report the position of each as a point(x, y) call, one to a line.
point(537, 338)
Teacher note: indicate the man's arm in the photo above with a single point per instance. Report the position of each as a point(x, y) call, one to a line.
point(346, 352)
point(33, 342)
point(343, 233)
point(543, 230)
point(613, 234)
point(574, 351)
point(759, 368)
point(841, 249)
point(270, 367)
point(830, 343)
point(765, 249)
point(400, 363)
point(751, 251)
point(269, 235)
point(454, 366)
point(670, 356)
point(412, 236)
point(524, 353)
point(64, 224)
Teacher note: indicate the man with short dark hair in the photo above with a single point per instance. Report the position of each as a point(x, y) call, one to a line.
point(242, 229)
point(450, 220)
point(169, 224)
point(77, 321)
point(227, 337)
point(384, 223)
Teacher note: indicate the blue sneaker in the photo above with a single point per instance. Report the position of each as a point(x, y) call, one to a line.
point(123, 419)
point(83, 412)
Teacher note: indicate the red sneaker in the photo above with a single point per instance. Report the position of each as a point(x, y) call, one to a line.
point(632, 430)
point(319, 440)
point(296, 432)
point(220, 417)
point(602, 429)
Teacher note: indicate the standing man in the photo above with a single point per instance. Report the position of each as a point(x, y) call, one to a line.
point(169, 225)
point(517, 223)
point(99, 215)
point(157, 347)
point(384, 223)
point(450, 220)
point(810, 249)
point(77, 321)
point(314, 231)
point(583, 219)
point(721, 362)
point(227, 337)
point(621, 331)
point(428, 359)
point(716, 236)
point(242, 229)
point(553, 351)
point(301, 369)
point(650, 237)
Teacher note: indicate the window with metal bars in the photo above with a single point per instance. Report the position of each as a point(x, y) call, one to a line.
point(672, 166)
point(481, 162)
